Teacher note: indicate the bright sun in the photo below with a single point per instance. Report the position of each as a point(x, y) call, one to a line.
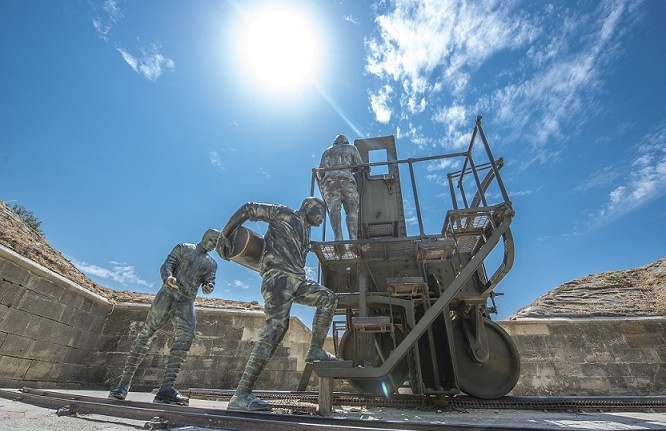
point(279, 47)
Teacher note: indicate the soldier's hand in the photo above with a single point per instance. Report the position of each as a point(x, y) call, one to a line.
point(223, 246)
point(171, 282)
point(207, 288)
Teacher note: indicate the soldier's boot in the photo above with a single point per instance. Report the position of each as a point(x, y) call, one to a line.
point(119, 392)
point(247, 401)
point(320, 324)
point(167, 393)
point(243, 398)
point(170, 395)
point(134, 358)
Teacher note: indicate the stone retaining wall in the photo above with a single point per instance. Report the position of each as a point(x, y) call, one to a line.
point(48, 326)
point(55, 334)
point(219, 352)
point(599, 356)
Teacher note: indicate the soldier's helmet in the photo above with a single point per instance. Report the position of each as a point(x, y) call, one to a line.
point(341, 139)
point(311, 203)
point(314, 210)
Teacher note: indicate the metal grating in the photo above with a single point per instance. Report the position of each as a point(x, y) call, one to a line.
point(390, 249)
point(468, 227)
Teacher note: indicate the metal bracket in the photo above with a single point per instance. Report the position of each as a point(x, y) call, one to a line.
point(67, 410)
point(475, 333)
point(156, 423)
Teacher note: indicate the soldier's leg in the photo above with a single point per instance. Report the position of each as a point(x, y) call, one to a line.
point(184, 323)
point(325, 300)
point(157, 316)
point(277, 292)
point(331, 194)
point(351, 204)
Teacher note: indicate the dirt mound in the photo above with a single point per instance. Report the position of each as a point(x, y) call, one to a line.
point(16, 235)
point(639, 292)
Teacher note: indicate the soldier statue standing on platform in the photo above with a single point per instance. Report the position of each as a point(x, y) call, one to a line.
point(187, 267)
point(282, 268)
point(338, 186)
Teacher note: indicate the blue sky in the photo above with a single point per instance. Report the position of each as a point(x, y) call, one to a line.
point(129, 126)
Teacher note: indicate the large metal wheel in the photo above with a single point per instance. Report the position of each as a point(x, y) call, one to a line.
point(493, 378)
point(354, 347)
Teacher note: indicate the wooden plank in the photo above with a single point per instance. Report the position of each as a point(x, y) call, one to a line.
point(325, 396)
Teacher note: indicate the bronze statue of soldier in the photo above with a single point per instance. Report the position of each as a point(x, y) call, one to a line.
point(338, 186)
point(282, 268)
point(186, 267)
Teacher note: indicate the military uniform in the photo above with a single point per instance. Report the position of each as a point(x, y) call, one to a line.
point(338, 187)
point(186, 267)
point(282, 268)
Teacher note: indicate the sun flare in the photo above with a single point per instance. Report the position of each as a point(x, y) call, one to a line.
point(279, 48)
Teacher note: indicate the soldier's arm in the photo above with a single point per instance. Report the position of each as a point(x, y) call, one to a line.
point(357, 171)
point(356, 157)
point(238, 218)
point(250, 211)
point(322, 165)
point(168, 267)
point(170, 263)
point(208, 283)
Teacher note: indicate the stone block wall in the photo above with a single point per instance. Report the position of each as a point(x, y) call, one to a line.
point(55, 334)
point(48, 326)
point(599, 356)
point(219, 352)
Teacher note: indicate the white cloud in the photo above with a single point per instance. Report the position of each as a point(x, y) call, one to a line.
point(520, 193)
point(216, 160)
point(443, 165)
point(456, 120)
point(151, 64)
point(119, 272)
point(264, 173)
point(601, 178)
point(379, 103)
point(104, 23)
point(311, 272)
point(240, 284)
point(445, 60)
point(102, 29)
point(351, 19)
point(643, 181)
point(419, 41)
point(415, 135)
point(113, 9)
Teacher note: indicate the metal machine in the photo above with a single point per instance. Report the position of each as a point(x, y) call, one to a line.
point(414, 306)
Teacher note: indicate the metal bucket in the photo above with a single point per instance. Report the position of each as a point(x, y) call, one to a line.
point(246, 248)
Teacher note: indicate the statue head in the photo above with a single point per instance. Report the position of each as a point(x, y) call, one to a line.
point(314, 210)
point(209, 239)
point(340, 139)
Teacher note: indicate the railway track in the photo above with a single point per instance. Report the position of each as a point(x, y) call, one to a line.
point(297, 410)
point(160, 416)
point(421, 402)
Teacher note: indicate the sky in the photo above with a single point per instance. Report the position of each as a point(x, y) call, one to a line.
point(127, 127)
